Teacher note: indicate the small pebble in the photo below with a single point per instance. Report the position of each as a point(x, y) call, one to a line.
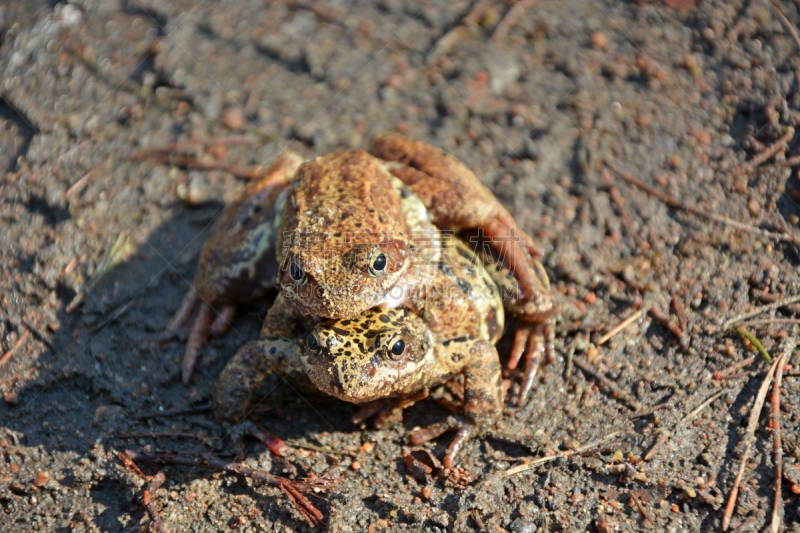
point(11, 398)
point(234, 118)
point(753, 207)
point(600, 41)
point(41, 479)
point(703, 137)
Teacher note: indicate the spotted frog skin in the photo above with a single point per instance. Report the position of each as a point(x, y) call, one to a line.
point(346, 238)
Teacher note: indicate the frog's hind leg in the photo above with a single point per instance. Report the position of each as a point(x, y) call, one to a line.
point(457, 200)
point(483, 401)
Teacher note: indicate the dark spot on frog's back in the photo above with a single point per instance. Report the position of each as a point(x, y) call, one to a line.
point(466, 254)
point(464, 285)
point(385, 319)
point(448, 342)
point(340, 331)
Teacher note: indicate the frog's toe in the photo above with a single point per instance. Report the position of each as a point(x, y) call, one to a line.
point(198, 336)
point(533, 357)
point(535, 342)
point(223, 320)
point(370, 409)
point(238, 431)
point(463, 426)
point(181, 316)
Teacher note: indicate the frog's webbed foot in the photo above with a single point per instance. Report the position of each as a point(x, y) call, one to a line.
point(464, 427)
point(534, 341)
point(387, 409)
point(237, 432)
point(207, 322)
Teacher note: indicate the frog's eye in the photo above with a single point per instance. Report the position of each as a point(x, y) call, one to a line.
point(312, 343)
point(297, 274)
point(377, 264)
point(397, 347)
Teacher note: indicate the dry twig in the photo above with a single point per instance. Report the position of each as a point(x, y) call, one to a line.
point(79, 185)
point(291, 488)
point(786, 23)
point(762, 309)
point(708, 401)
point(510, 19)
point(664, 436)
point(153, 484)
point(733, 368)
point(619, 327)
point(445, 43)
point(774, 148)
point(664, 321)
point(541, 460)
point(749, 435)
point(187, 161)
point(641, 508)
point(674, 203)
point(616, 392)
point(613, 194)
point(17, 345)
point(776, 442)
point(773, 322)
point(149, 502)
point(768, 298)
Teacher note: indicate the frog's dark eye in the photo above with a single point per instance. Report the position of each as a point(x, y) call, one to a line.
point(377, 265)
point(397, 348)
point(312, 343)
point(297, 274)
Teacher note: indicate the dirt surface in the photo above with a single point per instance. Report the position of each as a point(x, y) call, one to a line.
point(97, 249)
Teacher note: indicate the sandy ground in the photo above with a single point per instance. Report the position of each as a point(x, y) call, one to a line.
point(541, 104)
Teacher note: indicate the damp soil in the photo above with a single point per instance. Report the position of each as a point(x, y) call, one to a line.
point(545, 103)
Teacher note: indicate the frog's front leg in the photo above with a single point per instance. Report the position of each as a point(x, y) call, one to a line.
point(237, 262)
point(483, 394)
point(236, 386)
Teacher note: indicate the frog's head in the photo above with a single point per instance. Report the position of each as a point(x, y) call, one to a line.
point(344, 239)
point(382, 353)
